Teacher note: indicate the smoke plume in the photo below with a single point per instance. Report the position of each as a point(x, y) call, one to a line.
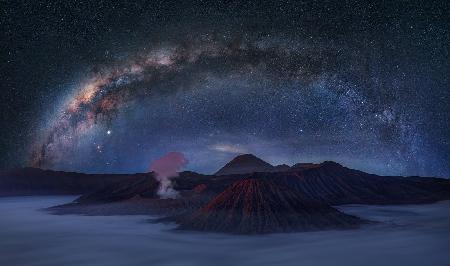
point(166, 168)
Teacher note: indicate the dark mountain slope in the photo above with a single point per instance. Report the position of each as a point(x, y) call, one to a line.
point(264, 205)
point(145, 186)
point(334, 184)
point(246, 163)
point(34, 181)
point(295, 199)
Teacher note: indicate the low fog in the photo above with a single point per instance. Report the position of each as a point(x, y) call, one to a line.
point(410, 235)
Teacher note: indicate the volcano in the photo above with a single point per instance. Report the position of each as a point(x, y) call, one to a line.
point(246, 196)
point(245, 163)
point(335, 184)
point(265, 205)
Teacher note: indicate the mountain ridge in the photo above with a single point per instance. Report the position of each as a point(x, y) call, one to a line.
point(288, 200)
point(261, 205)
point(245, 163)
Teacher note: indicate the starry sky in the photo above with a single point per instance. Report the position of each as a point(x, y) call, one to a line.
point(109, 86)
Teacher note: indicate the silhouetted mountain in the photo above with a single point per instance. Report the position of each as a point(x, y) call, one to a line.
point(281, 168)
point(145, 186)
point(246, 163)
point(302, 166)
point(295, 199)
point(35, 181)
point(264, 205)
point(328, 182)
point(334, 184)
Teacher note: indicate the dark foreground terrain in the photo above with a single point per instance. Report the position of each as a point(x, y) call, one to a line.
point(276, 199)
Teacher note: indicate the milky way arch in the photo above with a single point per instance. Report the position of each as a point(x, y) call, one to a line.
point(172, 67)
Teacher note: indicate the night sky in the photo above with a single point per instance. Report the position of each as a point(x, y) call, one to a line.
point(104, 86)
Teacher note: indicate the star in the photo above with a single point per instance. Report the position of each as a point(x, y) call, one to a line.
point(342, 88)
